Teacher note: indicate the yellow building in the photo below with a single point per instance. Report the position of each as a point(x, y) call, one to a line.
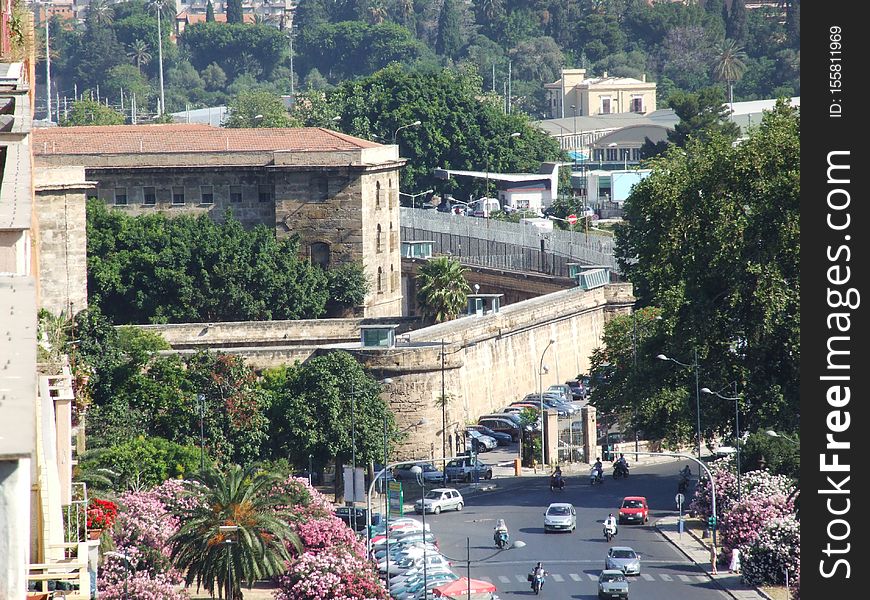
point(576, 95)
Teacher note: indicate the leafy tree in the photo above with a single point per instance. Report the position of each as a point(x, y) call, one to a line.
point(257, 109)
point(711, 237)
point(91, 112)
point(311, 412)
point(213, 77)
point(685, 55)
point(348, 284)
point(142, 462)
point(98, 49)
point(537, 59)
point(449, 41)
point(234, 12)
point(442, 289)
point(241, 497)
point(128, 80)
point(735, 26)
point(224, 44)
point(209, 12)
point(777, 455)
point(702, 115)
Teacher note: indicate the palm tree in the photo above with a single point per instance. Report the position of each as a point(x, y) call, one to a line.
point(139, 53)
point(213, 555)
point(100, 13)
point(729, 65)
point(377, 12)
point(443, 291)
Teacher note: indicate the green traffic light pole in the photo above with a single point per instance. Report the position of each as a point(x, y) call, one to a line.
point(702, 465)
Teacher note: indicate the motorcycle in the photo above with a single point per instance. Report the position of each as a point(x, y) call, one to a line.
point(501, 539)
point(537, 582)
point(620, 470)
point(557, 482)
point(609, 532)
point(596, 477)
point(683, 486)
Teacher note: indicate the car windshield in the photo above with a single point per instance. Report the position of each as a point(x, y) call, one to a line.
point(608, 577)
point(559, 511)
point(632, 504)
point(433, 495)
point(624, 554)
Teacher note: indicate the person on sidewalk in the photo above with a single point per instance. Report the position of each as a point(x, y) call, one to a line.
point(713, 559)
point(734, 567)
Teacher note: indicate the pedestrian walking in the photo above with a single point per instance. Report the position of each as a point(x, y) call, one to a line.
point(713, 559)
point(734, 567)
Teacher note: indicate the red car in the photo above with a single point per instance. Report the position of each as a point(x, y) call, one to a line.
point(634, 509)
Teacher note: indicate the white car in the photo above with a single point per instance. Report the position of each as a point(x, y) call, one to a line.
point(415, 565)
point(439, 499)
point(560, 516)
point(485, 443)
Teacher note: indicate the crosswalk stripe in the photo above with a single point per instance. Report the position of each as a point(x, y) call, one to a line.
point(684, 578)
point(557, 578)
point(575, 577)
point(701, 578)
point(504, 579)
point(521, 578)
point(592, 577)
point(648, 577)
point(666, 577)
point(487, 579)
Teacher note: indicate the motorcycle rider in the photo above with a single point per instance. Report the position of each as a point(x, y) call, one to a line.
point(685, 475)
point(500, 527)
point(622, 464)
point(610, 523)
point(597, 469)
point(538, 574)
point(556, 478)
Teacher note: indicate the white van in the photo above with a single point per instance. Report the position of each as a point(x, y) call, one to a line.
point(540, 224)
point(484, 207)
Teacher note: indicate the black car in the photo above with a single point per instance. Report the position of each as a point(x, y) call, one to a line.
point(578, 390)
point(503, 439)
point(344, 513)
point(430, 473)
point(502, 425)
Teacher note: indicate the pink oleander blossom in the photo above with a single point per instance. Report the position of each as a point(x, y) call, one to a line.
point(774, 550)
point(328, 532)
point(336, 574)
point(305, 501)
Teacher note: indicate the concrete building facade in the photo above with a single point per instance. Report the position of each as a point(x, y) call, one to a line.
point(338, 193)
point(598, 95)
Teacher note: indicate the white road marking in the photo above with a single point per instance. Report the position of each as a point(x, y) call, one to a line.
point(592, 577)
point(684, 578)
point(522, 579)
point(504, 579)
point(647, 576)
point(575, 577)
point(558, 578)
point(666, 577)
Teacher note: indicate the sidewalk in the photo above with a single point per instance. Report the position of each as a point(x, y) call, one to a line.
point(699, 552)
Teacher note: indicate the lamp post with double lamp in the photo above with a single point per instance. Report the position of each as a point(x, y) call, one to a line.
point(417, 470)
point(694, 366)
point(541, 398)
point(414, 196)
point(227, 530)
point(515, 544)
point(736, 399)
point(200, 400)
point(398, 129)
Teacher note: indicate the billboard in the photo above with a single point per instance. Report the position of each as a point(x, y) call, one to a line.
point(621, 183)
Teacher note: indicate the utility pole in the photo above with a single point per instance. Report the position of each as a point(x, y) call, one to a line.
point(47, 70)
point(292, 88)
point(509, 89)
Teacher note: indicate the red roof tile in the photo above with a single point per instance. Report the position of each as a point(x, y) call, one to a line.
point(185, 138)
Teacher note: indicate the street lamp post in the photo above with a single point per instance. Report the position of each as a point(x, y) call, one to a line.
point(541, 398)
point(574, 134)
point(694, 365)
point(417, 470)
point(414, 196)
point(414, 124)
point(736, 398)
point(516, 544)
point(226, 530)
point(200, 398)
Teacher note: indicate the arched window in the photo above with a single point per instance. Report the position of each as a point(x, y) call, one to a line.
point(320, 254)
point(380, 280)
point(392, 279)
point(378, 239)
point(377, 194)
point(390, 197)
point(392, 237)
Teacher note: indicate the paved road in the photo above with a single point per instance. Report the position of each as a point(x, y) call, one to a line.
point(573, 559)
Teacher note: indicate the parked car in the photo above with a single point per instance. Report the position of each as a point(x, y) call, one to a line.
point(550, 403)
point(344, 513)
point(634, 509)
point(439, 499)
point(430, 473)
point(480, 442)
point(563, 390)
point(578, 390)
point(560, 516)
point(502, 425)
point(467, 469)
point(612, 584)
point(623, 558)
point(502, 439)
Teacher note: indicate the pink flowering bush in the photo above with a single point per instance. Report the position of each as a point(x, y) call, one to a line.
point(117, 581)
point(775, 550)
point(336, 574)
point(305, 501)
point(753, 483)
point(324, 534)
point(741, 525)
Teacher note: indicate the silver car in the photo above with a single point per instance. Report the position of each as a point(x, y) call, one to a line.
point(612, 584)
point(560, 516)
point(623, 558)
point(439, 499)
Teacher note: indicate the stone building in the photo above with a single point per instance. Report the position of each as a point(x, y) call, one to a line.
point(339, 193)
point(573, 94)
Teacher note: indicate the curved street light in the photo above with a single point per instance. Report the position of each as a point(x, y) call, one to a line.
point(541, 397)
point(694, 366)
point(515, 544)
point(414, 124)
point(773, 433)
point(414, 196)
point(736, 398)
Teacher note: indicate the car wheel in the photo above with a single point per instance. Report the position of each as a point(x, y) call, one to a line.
point(437, 510)
point(459, 506)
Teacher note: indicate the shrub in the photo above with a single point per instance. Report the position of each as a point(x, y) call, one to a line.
point(740, 526)
point(775, 550)
point(338, 574)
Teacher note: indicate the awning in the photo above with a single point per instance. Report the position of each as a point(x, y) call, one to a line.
point(580, 156)
point(458, 590)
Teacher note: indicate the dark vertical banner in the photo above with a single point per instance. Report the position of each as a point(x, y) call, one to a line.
point(834, 229)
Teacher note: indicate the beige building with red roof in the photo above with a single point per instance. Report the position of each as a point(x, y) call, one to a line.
point(339, 193)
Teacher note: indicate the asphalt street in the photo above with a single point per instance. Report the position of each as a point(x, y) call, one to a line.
point(573, 560)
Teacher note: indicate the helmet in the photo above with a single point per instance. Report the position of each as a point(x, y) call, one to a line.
point(611, 514)
point(540, 564)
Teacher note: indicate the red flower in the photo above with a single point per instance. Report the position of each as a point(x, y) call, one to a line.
point(101, 514)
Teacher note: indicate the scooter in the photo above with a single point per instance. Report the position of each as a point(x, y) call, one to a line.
point(501, 539)
point(620, 470)
point(596, 476)
point(609, 532)
point(557, 482)
point(537, 583)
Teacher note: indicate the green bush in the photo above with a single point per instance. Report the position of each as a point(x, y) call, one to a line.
point(141, 463)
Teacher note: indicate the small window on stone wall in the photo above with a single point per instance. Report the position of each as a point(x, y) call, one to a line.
point(380, 280)
point(120, 196)
point(207, 194)
point(320, 254)
point(264, 193)
point(178, 195)
point(378, 239)
point(149, 196)
point(235, 193)
point(377, 194)
point(319, 189)
point(390, 196)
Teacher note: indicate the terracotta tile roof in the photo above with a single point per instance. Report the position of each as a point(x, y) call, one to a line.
point(187, 138)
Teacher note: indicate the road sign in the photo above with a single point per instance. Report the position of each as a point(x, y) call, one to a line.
point(396, 498)
point(571, 219)
point(679, 499)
